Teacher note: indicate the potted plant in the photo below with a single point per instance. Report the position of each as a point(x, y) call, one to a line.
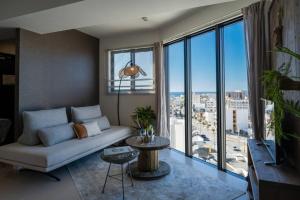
point(274, 82)
point(144, 118)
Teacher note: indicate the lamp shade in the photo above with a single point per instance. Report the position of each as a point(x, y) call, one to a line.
point(132, 71)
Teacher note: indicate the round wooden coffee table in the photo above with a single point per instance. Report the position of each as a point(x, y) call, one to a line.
point(148, 165)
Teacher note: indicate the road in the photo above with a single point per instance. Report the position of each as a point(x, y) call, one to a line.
point(237, 159)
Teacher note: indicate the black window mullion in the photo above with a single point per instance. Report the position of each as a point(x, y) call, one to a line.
point(112, 72)
point(222, 64)
point(132, 56)
point(220, 99)
point(166, 63)
point(188, 97)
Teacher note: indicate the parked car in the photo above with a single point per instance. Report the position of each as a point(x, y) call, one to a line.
point(235, 148)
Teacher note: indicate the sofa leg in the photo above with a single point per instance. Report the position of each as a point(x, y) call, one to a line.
point(52, 176)
point(44, 173)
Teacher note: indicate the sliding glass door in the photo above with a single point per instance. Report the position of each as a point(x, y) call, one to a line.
point(176, 70)
point(208, 96)
point(204, 104)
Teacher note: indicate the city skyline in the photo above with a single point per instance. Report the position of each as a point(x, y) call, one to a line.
point(204, 92)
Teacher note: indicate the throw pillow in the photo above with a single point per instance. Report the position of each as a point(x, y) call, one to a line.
point(56, 134)
point(103, 122)
point(92, 128)
point(87, 129)
point(34, 120)
point(80, 131)
point(80, 114)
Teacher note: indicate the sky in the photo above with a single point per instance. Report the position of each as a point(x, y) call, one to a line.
point(203, 61)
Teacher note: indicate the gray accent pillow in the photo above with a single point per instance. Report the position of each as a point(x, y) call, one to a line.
point(34, 120)
point(80, 114)
point(56, 134)
point(103, 122)
point(92, 128)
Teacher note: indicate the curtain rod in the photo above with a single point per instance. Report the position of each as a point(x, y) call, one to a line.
point(132, 47)
point(209, 24)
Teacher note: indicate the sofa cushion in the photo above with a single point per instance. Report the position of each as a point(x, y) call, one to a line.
point(81, 114)
point(34, 120)
point(46, 157)
point(56, 134)
point(92, 128)
point(103, 122)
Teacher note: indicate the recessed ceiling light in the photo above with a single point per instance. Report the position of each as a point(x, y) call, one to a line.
point(145, 19)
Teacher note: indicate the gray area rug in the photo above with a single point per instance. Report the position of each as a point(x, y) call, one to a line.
point(185, 182)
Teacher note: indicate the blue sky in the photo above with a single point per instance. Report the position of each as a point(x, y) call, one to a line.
point(203, 61)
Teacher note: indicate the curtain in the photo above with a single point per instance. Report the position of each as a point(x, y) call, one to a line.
point(160, 91)
point(258, 59)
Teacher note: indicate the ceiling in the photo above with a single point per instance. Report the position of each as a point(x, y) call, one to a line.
point(135, 24)
point(95, 17)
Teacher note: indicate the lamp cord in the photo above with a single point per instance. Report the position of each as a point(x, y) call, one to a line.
point(118, 104)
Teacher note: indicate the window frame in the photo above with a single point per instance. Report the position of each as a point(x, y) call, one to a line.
point(220, 91)
point(111, 86)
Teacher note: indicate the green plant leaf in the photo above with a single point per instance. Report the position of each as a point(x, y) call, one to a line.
point(289, 52)
point(143, 117)
point(271, 80)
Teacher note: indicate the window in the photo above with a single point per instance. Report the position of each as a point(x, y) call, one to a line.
point(142, 57)
point(176, 84)
point(204, 87)
point(208, 96)
point(237, 115)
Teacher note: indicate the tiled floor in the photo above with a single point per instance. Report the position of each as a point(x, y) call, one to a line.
point(16, 185)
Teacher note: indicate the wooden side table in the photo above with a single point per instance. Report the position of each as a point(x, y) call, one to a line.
point(148, 165)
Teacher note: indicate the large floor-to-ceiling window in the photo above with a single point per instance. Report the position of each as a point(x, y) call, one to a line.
point(176, 87)
point(203, 88)
point(208, 96)
point(237, 127)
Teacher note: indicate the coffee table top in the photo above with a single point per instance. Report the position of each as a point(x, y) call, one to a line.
point(157, 144)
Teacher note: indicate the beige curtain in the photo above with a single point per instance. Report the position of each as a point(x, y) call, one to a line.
point(256, 22)
point(160, 91)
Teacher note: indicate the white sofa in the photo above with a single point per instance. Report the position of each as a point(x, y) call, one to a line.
point(47, 158)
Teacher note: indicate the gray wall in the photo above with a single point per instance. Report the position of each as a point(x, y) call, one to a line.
point(57, 69)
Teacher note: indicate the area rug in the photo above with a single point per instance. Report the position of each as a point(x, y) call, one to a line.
point(185, 182)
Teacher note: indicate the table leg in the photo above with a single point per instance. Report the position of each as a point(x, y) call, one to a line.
point(106, 178)
point(130, 173)
point(122, 181)
point(148, 160)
